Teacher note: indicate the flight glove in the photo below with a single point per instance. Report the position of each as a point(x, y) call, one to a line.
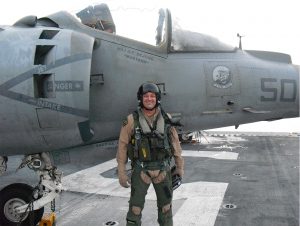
point(123, 178)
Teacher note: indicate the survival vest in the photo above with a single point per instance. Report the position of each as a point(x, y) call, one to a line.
point(150, 144)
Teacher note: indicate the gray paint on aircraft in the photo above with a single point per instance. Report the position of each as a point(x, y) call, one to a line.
point(4, 88)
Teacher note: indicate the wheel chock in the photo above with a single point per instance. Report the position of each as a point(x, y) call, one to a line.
point(48, 220)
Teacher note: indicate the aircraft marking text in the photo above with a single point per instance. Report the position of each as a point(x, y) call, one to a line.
point(61, 86)
point(50, 105)
point(135, 55)
point(41, 68)
point(288, 89)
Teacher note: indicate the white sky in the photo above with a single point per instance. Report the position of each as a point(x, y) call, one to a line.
point(271, 25)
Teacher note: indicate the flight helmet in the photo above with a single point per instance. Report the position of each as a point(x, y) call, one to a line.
point(148, 87)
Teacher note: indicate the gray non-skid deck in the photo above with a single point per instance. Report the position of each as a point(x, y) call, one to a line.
point(231, 179)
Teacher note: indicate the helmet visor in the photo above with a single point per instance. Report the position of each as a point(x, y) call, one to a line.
point(150, 87)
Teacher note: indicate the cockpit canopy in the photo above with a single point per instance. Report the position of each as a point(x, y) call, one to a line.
point(98, 17)
point(189, 41)
point(164, 31)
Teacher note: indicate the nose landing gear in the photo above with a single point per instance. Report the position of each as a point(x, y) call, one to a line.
point(14, 196)
point(23, 205)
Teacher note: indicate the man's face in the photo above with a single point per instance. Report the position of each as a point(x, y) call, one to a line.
point(149, 100)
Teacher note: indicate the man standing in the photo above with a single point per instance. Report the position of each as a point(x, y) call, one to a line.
point(150, 141)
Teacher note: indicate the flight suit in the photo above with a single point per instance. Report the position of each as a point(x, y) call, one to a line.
point(146, 172)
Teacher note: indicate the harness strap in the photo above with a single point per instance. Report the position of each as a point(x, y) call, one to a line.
point(153, 146)
point(162, 165)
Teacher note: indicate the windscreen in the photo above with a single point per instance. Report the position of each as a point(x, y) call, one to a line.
point(187, 41)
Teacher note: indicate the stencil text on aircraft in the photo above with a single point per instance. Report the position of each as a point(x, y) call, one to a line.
point(135, 55)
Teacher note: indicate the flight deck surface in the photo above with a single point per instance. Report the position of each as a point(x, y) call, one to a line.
point(231, 179)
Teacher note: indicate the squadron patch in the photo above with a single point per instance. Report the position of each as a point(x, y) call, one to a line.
point(125, 122)
point(222, 77)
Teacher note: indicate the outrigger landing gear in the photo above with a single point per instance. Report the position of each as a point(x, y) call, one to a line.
point(22, 205)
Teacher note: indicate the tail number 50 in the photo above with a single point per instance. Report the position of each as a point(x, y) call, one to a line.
point(271, 88)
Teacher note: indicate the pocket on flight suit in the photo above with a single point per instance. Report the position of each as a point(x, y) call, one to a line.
point(144, 150)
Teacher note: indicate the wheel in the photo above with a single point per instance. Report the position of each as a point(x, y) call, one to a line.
point(13, 196)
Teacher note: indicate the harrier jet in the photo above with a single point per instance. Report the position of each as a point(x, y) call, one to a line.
point(69, 80)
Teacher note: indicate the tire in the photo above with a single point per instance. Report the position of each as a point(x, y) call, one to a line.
point(16, 195)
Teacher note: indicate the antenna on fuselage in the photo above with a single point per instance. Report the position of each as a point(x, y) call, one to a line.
point(240, 40)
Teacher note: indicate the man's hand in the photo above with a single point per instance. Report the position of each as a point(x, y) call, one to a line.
point(124, 180)
point(178, 171)
point(179, 162)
